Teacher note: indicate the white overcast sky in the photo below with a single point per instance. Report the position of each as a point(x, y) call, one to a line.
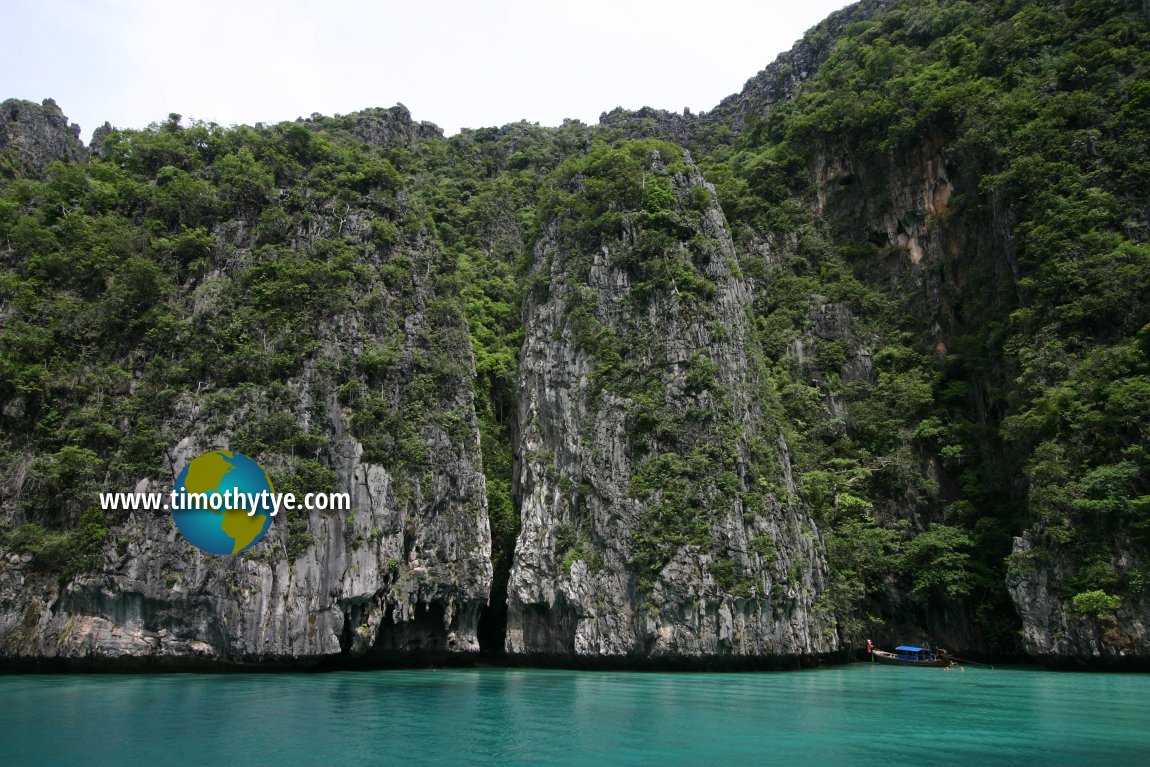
point(457, 64)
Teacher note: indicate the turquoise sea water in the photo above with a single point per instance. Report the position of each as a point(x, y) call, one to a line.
point(860, 714)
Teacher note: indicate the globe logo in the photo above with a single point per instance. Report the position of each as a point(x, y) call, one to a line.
point(212, 500)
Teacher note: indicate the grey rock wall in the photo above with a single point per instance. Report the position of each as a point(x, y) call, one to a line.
point(1054, 632)
point(401, 578)
point(34, 135)
point(577, 589)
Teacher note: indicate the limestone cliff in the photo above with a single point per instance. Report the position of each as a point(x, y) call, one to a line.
point(618, 557)
point(863, 352)
point(401, 577)
point(1013, 453)
point(1054, 632)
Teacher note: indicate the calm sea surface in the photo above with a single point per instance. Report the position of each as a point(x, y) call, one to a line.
point(858, 714)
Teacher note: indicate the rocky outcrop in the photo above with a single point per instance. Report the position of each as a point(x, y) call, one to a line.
point(782, 77)
point(34, 135)
point(401, 578)
point(652, 123)
point(900, 206)
point(380, 127)
point(777, 82)
point(648, 534)
point(98, 137)
point(1057, 634)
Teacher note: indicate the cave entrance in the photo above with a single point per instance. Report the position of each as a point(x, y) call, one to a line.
point(492, 629)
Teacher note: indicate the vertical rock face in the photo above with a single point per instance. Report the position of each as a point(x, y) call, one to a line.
point(657, 507)
point(943, 264)
point(378, 404)
point(403, 576)
point(962, 261)
point(34, 135)
point(900, 208)
point(1054, 632)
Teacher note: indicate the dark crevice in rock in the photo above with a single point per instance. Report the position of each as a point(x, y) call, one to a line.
point(492, 632)
point(345, 634)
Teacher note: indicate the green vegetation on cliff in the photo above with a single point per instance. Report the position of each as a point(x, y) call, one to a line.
point(1009, 383)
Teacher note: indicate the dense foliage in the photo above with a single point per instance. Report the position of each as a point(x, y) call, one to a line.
point(1010, 383)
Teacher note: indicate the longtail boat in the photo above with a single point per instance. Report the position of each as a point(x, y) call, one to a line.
point(908, 655)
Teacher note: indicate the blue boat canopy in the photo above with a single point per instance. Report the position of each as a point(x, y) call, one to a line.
point(905, 648)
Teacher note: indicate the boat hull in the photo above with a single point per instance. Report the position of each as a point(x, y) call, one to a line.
point(881, 656)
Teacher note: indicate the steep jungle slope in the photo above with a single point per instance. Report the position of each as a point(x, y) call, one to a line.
point(964, 317)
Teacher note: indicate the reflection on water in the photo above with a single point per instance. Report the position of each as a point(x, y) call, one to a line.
point(857, 714)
